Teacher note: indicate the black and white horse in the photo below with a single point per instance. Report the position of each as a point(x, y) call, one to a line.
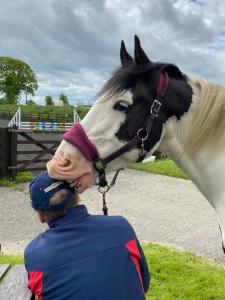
point(147, 106)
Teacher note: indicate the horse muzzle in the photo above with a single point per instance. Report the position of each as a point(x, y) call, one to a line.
point(73, 160)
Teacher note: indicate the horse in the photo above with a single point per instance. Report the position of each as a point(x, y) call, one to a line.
point(147, 106)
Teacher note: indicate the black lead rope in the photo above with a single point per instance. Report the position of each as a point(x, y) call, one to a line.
point(104, 189)
point(104, 206)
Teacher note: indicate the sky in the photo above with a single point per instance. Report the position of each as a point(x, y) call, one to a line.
point(73, 46)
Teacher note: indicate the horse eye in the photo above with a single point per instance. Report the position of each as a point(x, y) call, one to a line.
point(121, 106)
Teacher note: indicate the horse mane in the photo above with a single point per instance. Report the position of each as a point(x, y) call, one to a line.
point(124, 78)
point(207, 123)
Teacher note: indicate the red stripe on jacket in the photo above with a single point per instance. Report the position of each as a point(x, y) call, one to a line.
point(136, 257)
point(35, 283)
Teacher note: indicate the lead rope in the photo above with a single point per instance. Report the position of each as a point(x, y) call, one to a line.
point(104, 189)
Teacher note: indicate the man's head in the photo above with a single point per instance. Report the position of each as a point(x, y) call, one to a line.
point(51, 198)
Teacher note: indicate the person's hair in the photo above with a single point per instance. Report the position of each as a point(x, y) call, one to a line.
point(57, 198)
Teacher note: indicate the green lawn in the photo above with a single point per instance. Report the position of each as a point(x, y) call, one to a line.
point(11, 259)
point(21, 177)
point(43, 110)
point(175, 275)
point(183, 276)
point(161, 166)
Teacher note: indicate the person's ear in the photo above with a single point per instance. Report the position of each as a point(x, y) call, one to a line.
point(41, 216)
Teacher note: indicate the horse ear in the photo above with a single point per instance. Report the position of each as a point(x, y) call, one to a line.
point(140, 57)
point(125, 57)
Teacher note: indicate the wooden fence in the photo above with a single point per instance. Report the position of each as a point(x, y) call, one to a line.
point(26, 151)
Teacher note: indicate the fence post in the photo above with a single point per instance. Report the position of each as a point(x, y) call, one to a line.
point(4, 152)
point(13, 153)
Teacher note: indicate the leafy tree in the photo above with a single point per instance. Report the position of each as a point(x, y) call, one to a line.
point(31, 102)
point(64, 99)
point(49, 101)
point(16, 77)
point(3, 100)
point(82, 111)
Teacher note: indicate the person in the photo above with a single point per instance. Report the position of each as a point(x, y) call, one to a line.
point(81, 256)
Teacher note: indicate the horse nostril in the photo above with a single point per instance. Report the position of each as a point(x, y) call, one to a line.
point(65, 163)
point(68, 163)
point(62, 161)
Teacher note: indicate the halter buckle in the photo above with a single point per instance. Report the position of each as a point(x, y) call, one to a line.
point(155, 107)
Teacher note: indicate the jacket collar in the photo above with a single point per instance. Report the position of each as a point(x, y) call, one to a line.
point(73, 214)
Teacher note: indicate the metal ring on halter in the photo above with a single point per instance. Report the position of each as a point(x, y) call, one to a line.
point(139, 134)
point(100, 164)
point(103, 189)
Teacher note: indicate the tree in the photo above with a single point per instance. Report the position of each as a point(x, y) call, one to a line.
point(3, 101)
point(64, 99)
point(16, 77)
point(49, 100)
point(31, 102)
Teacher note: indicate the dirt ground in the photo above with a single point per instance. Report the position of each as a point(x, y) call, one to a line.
point(161, 209)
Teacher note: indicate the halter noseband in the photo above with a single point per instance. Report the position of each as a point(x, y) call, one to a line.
point(77, 136)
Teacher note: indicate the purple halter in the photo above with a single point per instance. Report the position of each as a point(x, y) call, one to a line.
point(77, 137)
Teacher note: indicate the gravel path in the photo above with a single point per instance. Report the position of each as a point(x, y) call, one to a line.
point(161, 209)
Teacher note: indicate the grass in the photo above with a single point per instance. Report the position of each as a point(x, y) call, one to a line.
point(21, 177)
point(43, 110)
point(175, 275)
point(183, 276)
point(162, 166)
point(35, 109)
point(11, 259)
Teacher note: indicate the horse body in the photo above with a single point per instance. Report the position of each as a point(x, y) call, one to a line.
point(206, 172)
point(190, 127)
point(205, 165)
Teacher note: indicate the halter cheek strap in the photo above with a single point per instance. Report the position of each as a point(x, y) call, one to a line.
point(144, 132)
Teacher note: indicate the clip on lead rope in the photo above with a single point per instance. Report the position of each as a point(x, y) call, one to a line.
point(104, 189)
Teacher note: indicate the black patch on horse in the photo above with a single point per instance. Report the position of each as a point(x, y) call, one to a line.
point(142, 81)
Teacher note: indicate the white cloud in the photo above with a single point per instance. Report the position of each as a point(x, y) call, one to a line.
point(74, 45)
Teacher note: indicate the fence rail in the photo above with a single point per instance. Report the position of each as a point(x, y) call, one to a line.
point(18, 122)
point(26, 151)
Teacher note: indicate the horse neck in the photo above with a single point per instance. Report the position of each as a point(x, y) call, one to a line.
point(173, 145)
point(176, 141)
point(206, 165)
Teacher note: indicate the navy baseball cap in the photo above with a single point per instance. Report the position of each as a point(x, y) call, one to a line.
point(43, 187)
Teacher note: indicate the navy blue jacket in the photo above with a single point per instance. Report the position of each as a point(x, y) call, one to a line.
point(85, 257)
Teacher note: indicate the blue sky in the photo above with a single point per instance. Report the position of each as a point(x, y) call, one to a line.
point(73, 46)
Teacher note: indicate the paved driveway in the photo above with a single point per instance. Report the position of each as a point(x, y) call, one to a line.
point(161, 209)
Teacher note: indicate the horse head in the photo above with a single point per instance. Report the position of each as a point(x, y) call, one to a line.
point(121, 114)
